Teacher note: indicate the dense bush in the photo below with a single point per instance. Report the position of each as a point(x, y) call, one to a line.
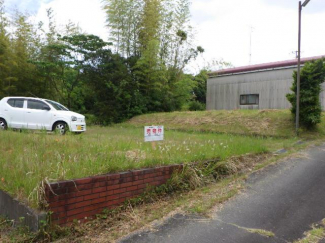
point(311, 78)
point(200, 90)
point(196, 106)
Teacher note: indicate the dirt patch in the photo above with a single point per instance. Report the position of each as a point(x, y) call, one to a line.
point(135, 155)
point(247, 163)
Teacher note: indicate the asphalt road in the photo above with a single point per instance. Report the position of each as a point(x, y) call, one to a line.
point(285, 199)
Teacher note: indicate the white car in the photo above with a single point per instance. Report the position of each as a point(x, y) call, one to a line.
point(35, 113)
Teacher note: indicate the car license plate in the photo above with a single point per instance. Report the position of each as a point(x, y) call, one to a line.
point(79, 128)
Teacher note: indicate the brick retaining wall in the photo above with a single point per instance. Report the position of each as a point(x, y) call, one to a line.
point(82, 199)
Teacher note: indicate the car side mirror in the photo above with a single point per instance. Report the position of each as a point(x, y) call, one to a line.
point(46, 108)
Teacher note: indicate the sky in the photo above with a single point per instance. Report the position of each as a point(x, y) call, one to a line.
point(236, 31)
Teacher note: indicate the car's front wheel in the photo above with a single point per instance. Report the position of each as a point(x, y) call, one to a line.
point(60, 128)
point(3, 124)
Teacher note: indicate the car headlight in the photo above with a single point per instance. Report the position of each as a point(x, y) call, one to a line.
point(73, 118)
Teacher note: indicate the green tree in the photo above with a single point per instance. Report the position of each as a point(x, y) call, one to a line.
point(112, 95)
point(200, 88)
point(311, 78)
point(25, 80)
point(123, 22)
point(150, 24)
point(62, 66)
point(5, 68)
point(163, 46)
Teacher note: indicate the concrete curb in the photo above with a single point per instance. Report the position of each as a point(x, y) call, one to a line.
point(19, 213)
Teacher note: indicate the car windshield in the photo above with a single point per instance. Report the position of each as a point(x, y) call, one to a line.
point(57, 105)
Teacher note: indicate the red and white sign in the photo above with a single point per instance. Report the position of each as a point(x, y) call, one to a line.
point(153, 133)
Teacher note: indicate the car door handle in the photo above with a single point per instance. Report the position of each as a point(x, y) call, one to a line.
point(6, 110)
point(28, 112)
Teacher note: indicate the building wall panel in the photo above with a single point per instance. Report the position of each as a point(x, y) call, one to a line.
point(223, 93)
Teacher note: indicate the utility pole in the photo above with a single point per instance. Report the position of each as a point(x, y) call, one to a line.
point(298, 71)
point(250, 44)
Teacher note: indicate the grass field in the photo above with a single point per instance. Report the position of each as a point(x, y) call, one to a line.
point(28, 158)
point(244, 122)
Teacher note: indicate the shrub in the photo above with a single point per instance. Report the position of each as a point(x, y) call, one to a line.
point(196, 106)
point(311, 78)
point(92, 120)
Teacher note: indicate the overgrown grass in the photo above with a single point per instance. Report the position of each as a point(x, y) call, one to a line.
point(200, 198)
point(29, 158)
point(246, 122)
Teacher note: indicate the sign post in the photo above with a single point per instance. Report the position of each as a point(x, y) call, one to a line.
point(153, 134)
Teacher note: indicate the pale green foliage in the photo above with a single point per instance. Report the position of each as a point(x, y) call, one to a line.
point(134, 23)
point(4, 50)
point(52, 33)
point(23, 36)
point(123, 21)
point(3, 19)
point(150, 23)
point(149, 65)
point(181, 34)
point(166, 30)
point(22, 48)
point(72, 29)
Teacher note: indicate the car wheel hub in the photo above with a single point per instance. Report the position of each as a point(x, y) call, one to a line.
point(2, 125)
point(60, 128)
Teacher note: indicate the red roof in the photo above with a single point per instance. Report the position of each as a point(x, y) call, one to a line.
point(270, 65)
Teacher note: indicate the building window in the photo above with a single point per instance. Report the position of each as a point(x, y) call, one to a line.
point(251, 99)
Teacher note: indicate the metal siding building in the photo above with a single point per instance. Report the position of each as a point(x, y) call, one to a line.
point(262, 86)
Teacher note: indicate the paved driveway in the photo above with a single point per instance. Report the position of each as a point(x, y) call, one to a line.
point(284, 200)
